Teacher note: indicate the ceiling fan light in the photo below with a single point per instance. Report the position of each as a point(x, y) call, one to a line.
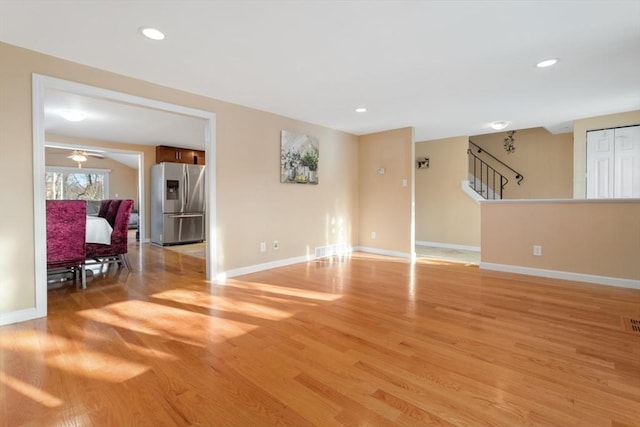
point(73, 115)
point(499, 125)
point(78, 157)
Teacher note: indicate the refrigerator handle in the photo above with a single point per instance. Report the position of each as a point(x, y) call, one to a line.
point(186, 188)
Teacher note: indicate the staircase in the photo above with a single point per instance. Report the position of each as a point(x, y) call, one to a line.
point(484, 178)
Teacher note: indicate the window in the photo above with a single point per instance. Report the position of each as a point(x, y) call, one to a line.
point(76, 184)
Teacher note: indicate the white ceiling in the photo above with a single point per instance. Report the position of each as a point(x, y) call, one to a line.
point(121, 122)
point(448, 68)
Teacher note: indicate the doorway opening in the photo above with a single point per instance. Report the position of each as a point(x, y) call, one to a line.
point(40, 85)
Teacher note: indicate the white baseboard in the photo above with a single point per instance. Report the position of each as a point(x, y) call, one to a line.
point(553, 274)
point(266, 266)
point(306, 258)
point(382, 252)
point(564, 275)
point(20, 316)
point(449, 246)
point(343, 250)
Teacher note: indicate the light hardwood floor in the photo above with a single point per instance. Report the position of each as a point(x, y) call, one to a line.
point(365, 340)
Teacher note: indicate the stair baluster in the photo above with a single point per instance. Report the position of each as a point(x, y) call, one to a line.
point(491, 183)
point(480, 180)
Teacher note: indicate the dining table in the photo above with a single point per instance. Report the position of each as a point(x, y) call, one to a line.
point(98, 230)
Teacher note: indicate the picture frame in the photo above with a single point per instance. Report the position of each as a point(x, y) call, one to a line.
point(422, 163)
point(299, 158)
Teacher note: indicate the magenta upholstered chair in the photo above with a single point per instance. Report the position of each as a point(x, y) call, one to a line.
point(104, 206)
point(117, 213)
point(66, 230)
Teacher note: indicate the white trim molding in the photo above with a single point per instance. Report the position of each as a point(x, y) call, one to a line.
point(305, 258)
point(20, 316)
point(386, 252)
point(563, 275)
point(449, 246)
point(466, 189)
point(38, 84)
point(265, 266)
point(345, 251)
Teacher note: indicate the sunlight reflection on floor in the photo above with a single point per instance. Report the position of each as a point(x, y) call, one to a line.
point(32, 392)
point(97, 365)
point(159, 320)
point(206, 300)
point(281, 290)
point(448, 255)
point(74, 357)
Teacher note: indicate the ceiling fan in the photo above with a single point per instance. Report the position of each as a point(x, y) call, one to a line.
point(81, 156)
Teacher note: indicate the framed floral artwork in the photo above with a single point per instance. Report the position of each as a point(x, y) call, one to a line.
point(299, 155)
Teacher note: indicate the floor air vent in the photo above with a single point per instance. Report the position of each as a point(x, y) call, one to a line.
point(326, 251)
point(631, 325)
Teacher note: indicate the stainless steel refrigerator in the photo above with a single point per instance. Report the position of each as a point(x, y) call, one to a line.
point(177, 203)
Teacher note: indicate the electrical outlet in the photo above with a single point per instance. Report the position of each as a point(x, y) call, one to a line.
point(373, 234)
point(276, 245)
point(263, 246)
point(537, 250)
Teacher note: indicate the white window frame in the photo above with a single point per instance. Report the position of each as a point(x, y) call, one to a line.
point(67, 170)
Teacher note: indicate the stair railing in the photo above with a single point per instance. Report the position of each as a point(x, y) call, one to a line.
point(485, 181)
point(479, 150)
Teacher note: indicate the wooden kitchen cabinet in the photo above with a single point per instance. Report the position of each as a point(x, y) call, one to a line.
point(165, 153)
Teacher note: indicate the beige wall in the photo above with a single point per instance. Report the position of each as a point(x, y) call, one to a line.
point(444, 213)
point(16, 225)
point(123, 180)
point(253, 206)
point(587, 237)
point(544, 159)
point(580, 128)
point(385, 205)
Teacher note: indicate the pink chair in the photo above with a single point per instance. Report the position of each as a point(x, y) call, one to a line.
point(66, 230)
point(117, 214)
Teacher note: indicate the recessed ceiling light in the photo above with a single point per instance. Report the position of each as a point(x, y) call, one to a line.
point(361, 110)
point(73, 115)
point(152, 33)
point(546, 63)
point(499, 125)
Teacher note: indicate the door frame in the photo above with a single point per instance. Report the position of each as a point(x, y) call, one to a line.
point(39, 85)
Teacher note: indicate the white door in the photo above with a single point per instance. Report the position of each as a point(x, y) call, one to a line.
point(626, 180)
point(613, 163)
point(600, 164)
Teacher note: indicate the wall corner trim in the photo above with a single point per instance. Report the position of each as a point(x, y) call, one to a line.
point(563, 275)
